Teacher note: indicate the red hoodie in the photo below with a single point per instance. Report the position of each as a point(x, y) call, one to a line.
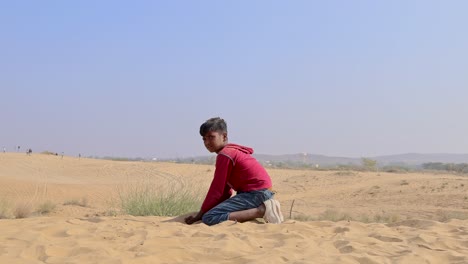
point(235, 169)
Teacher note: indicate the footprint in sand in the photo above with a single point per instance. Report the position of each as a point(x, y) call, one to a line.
point(343, 247)
point(385, 238)
point(365, 260)
point(202, 234)
point(41, 253)
point(346, 249)
point(341, 230)
point(340, 243)
point(456, 259)
point(61, 233)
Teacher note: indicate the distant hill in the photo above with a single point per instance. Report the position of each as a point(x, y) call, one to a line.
point(418, 159)
point(409, 159)
point(306, 159)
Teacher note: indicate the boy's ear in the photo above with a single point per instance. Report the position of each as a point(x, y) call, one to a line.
point(225, 136)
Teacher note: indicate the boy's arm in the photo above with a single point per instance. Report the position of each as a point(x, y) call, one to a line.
point(219, 188)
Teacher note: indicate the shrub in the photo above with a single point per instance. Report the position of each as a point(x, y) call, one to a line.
point(369, 164)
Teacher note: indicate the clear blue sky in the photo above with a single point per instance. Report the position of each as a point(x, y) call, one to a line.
point(137, 78)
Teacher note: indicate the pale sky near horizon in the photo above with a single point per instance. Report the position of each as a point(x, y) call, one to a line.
point(137, 78)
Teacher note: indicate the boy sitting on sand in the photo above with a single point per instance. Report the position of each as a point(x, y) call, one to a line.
point(235, 170)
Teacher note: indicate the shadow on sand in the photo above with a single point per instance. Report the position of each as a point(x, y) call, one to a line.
point(181, 219)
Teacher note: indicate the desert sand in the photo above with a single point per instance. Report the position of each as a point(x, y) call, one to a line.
point(331, 216)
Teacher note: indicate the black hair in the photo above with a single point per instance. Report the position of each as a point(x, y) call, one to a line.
point(213, 124)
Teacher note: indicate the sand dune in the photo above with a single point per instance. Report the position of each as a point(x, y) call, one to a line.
point(385, 218)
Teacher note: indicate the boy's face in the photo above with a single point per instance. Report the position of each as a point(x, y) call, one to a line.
point(215, 141)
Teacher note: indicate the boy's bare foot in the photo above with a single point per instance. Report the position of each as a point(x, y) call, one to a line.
point(273, 212)
point(261, 210)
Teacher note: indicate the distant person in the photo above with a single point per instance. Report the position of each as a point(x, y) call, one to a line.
point(29, 152)
point(4, 149)
point(19, 148)
point(62, 154)
point(235, 170)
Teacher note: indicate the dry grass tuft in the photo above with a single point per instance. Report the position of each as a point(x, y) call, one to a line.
point(445, 216)
point(46, 207)
point(334, 216)
point(171, 199)
point(404, 182)
point(23, 210)
point(346, 173)
point(4, 209)
point(303, 218)
point(83, 202)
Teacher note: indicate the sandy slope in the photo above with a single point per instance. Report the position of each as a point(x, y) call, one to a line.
point(419, 207)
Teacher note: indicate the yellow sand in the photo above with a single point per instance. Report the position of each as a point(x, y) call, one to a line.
point(419, 207)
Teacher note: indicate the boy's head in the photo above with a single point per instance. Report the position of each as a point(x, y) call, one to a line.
point(214, 134)
point(215, 124)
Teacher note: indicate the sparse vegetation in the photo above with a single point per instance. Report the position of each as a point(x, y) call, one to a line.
point(336, 216)
point(386, 218)
point(22, 210)
point(111, 212)
point(83, 202)
point(451, 167)
point(345, 173)
point(46, 207)
point(169, 200)
point(303, 218)
point(4, 209)
point(445, 216)
point(49, 153)
point(395, 169)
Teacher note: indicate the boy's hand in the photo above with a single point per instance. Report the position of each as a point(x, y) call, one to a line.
point(192, 219)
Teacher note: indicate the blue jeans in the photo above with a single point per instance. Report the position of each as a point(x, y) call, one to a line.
point(239, 202)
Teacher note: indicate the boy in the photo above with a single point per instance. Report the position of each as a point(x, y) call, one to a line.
point(235, 170)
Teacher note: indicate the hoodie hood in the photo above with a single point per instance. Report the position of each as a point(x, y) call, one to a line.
point(244, 149)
